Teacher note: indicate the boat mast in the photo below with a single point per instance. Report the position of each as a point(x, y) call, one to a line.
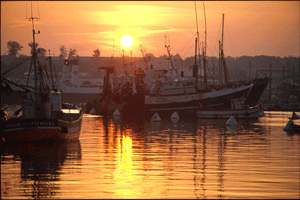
point(50, 62)
point(270, 87)
point(221, 56)
point(204, 51)
point(34, 55)
point(195, 68)
point(167, 45)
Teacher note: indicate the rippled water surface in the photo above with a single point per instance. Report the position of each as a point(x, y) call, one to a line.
point(142, 159)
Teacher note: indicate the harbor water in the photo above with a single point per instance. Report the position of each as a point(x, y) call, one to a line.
point(188, 158)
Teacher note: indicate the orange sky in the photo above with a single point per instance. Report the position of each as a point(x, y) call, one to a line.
point(251, 27)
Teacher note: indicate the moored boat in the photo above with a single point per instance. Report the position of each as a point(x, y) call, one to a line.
point(182, 94)
point(242, 113)
point(44, 116)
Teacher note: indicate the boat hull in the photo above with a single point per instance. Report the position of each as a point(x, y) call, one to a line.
point(246, 113)
point(29, 130)
point(259, 86)
point(70, 130)
point(191, 102)
point(34, 130)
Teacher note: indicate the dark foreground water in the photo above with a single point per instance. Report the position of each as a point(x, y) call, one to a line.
point(185, 159)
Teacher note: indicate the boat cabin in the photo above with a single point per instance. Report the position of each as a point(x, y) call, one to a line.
point(173, 86)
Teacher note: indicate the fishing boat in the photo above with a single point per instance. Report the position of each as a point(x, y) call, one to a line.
point(76, 89)
point(188, 94)
point(183, 95)
point(43, 115)
point(238, 110)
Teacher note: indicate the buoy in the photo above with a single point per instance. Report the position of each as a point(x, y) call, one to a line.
point(175, 115)
point(117, 113)
point(93, 111)
point(288, 125)
point(231, 121)
point(155, 118)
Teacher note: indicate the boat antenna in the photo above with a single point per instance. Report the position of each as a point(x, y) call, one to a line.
point(144, 56)
point(167, 45)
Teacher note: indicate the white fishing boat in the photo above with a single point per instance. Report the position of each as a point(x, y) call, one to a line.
point(183, 95)
point(76, 89)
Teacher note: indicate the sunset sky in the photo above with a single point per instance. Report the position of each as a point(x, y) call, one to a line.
point(251, 27)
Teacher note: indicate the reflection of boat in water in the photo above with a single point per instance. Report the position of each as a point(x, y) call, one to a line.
point(40, 165)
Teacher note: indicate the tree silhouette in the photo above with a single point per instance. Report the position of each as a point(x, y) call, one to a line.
point(72, 54)
point(63, 53)
point(31, 46)
point(42, 52)
point(96, 53)
point(39, 50)
point(14, 48)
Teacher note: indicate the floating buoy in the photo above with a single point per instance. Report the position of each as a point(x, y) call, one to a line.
point(175, 115)
point(117, 113)
point(155, 118)
point(231, 121)
point(93, 111)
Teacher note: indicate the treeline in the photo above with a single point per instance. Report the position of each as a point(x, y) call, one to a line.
point(238, 67)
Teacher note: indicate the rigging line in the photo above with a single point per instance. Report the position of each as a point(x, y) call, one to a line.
point(214, 46)
point(236, 70)
point(29, 71)
point(38, 9)
point(15, 66)
point(192, 46)
point(20, 86)
point(26, 9)
point(187, 42)
point(56, 76)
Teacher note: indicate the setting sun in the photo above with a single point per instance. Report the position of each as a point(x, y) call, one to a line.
point(126, 40)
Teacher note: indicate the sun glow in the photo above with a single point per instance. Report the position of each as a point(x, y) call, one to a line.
point(126, 40)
